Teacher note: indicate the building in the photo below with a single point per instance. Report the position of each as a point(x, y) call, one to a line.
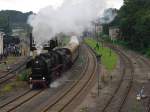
point(1, 42)
point(113, 33)
point(99, 28)
point(17, 31)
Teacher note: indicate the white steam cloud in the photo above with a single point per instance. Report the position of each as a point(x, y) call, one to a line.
point(108, 16)
point(71, 16)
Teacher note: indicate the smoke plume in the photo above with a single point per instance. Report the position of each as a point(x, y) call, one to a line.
point(108, 16)
point(71, 16)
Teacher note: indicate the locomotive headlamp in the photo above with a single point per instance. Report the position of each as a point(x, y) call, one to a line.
point(30, 78)
point(43, 78)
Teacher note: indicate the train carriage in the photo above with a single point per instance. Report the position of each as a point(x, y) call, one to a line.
point(74, 49)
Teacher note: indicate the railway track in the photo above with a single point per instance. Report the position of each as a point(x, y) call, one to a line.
point(147, 107)
point(25, 97)
point(144, 66)
point(118, 98)
point(6, 76)
point(65, 100)
point(20, 100)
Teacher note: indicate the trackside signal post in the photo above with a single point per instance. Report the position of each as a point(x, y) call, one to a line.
point(98, 73)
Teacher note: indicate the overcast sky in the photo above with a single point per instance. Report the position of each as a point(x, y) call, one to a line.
point(36, 5)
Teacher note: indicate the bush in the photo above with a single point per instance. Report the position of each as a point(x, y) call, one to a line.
point(148, 52)
point(123, 43)
point(24, 75)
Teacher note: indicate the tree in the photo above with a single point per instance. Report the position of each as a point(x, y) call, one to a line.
point(11, 18)
point(134, 23)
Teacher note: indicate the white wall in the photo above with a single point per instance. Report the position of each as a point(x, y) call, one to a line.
point(113, 33)
point(1, 42)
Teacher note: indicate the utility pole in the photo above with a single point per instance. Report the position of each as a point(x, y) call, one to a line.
point(96, 32)
point(98, 59)
point(96, 35)
point(98, 74)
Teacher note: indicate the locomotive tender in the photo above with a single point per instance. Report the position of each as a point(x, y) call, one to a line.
point(47, 67)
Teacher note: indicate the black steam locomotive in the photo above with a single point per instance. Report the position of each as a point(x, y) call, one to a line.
point(47, 67)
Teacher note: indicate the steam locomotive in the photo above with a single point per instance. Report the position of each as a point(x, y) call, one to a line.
point(47, 67)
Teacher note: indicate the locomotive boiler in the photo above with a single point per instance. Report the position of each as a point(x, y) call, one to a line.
point(47, 67)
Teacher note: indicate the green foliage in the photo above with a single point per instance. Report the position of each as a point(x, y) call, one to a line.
point(148, 52)
point(109, 58)
point(121, 42)
point(106, 29)
point(134, 23)
point(12, 86)
point(106, 37)
point(15, 16)
point(8, 88)
point(12, 18)
point(3, 21)
point(24, 75)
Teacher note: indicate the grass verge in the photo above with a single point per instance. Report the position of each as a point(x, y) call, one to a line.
point(20, 82)
point(108, 59)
